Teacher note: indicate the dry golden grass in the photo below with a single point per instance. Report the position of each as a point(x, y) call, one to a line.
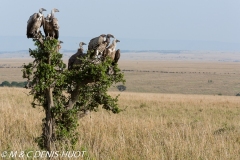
point(211, 78)
point(11, 71)
point(154, 126)
point(172, 76)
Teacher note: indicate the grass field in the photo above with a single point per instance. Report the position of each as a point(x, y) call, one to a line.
point(176, 107)
point(212, 78)
point(162, 75)
point(153, 126)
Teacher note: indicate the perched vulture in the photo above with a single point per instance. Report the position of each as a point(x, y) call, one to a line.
point(98, 44)
point(74, 59)
point(50, 25)
point(34, 23)
point(117, 56)
point(111, 51)
point(80, 49)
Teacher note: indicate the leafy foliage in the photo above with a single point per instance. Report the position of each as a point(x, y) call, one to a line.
point(84, 88)
point(93, 80)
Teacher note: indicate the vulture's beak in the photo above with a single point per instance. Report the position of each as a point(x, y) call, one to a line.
point(56, 10)
point(60, 41)
point(41, 10)
point(117, 40)
point(83, 43)
point(110, 35)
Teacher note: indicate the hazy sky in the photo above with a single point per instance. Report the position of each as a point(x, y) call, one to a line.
point(130, 20)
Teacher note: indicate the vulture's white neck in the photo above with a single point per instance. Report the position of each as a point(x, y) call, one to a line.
point(52, 13)
point(115, 42)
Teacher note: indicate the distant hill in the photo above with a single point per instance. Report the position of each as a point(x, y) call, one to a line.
point(21, 43)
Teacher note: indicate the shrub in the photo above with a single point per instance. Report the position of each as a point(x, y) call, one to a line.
point(5, 83)
point(121, 88)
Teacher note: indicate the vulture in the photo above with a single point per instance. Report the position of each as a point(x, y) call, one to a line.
point(74, 59)
point(117, 56)
point(80, 49)
point(34, 23)
point(98, 44)
point(111, 51)
point(50, 25)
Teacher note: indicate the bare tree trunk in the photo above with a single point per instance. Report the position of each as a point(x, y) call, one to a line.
point(75, 93)
point(49, 125)
point(74, 97)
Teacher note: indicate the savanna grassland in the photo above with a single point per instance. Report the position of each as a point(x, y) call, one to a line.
point(176, 106)
point(153, 126)
point(185, 73)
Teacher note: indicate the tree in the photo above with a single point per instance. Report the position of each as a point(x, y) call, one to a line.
point(64, 94)
point(121, 88)
point(21, 84)
point(5, 83)
point(14, 84)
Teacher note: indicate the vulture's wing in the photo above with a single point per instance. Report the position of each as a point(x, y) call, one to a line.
point(46, 27)
point(56, 28)
point(93, 44)
point(32, 17)
point(117, 56)
point(56, 34)
point(30, 23)
point(70, 62)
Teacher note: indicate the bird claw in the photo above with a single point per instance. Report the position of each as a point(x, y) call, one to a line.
point(49, 38)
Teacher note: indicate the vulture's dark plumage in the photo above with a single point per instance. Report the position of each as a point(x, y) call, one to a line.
point(74, 59)
point(50, 25)
point(117, 56)
point(98, 44)
point(34, 23)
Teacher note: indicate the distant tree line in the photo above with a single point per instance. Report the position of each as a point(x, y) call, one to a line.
point(13, 84)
